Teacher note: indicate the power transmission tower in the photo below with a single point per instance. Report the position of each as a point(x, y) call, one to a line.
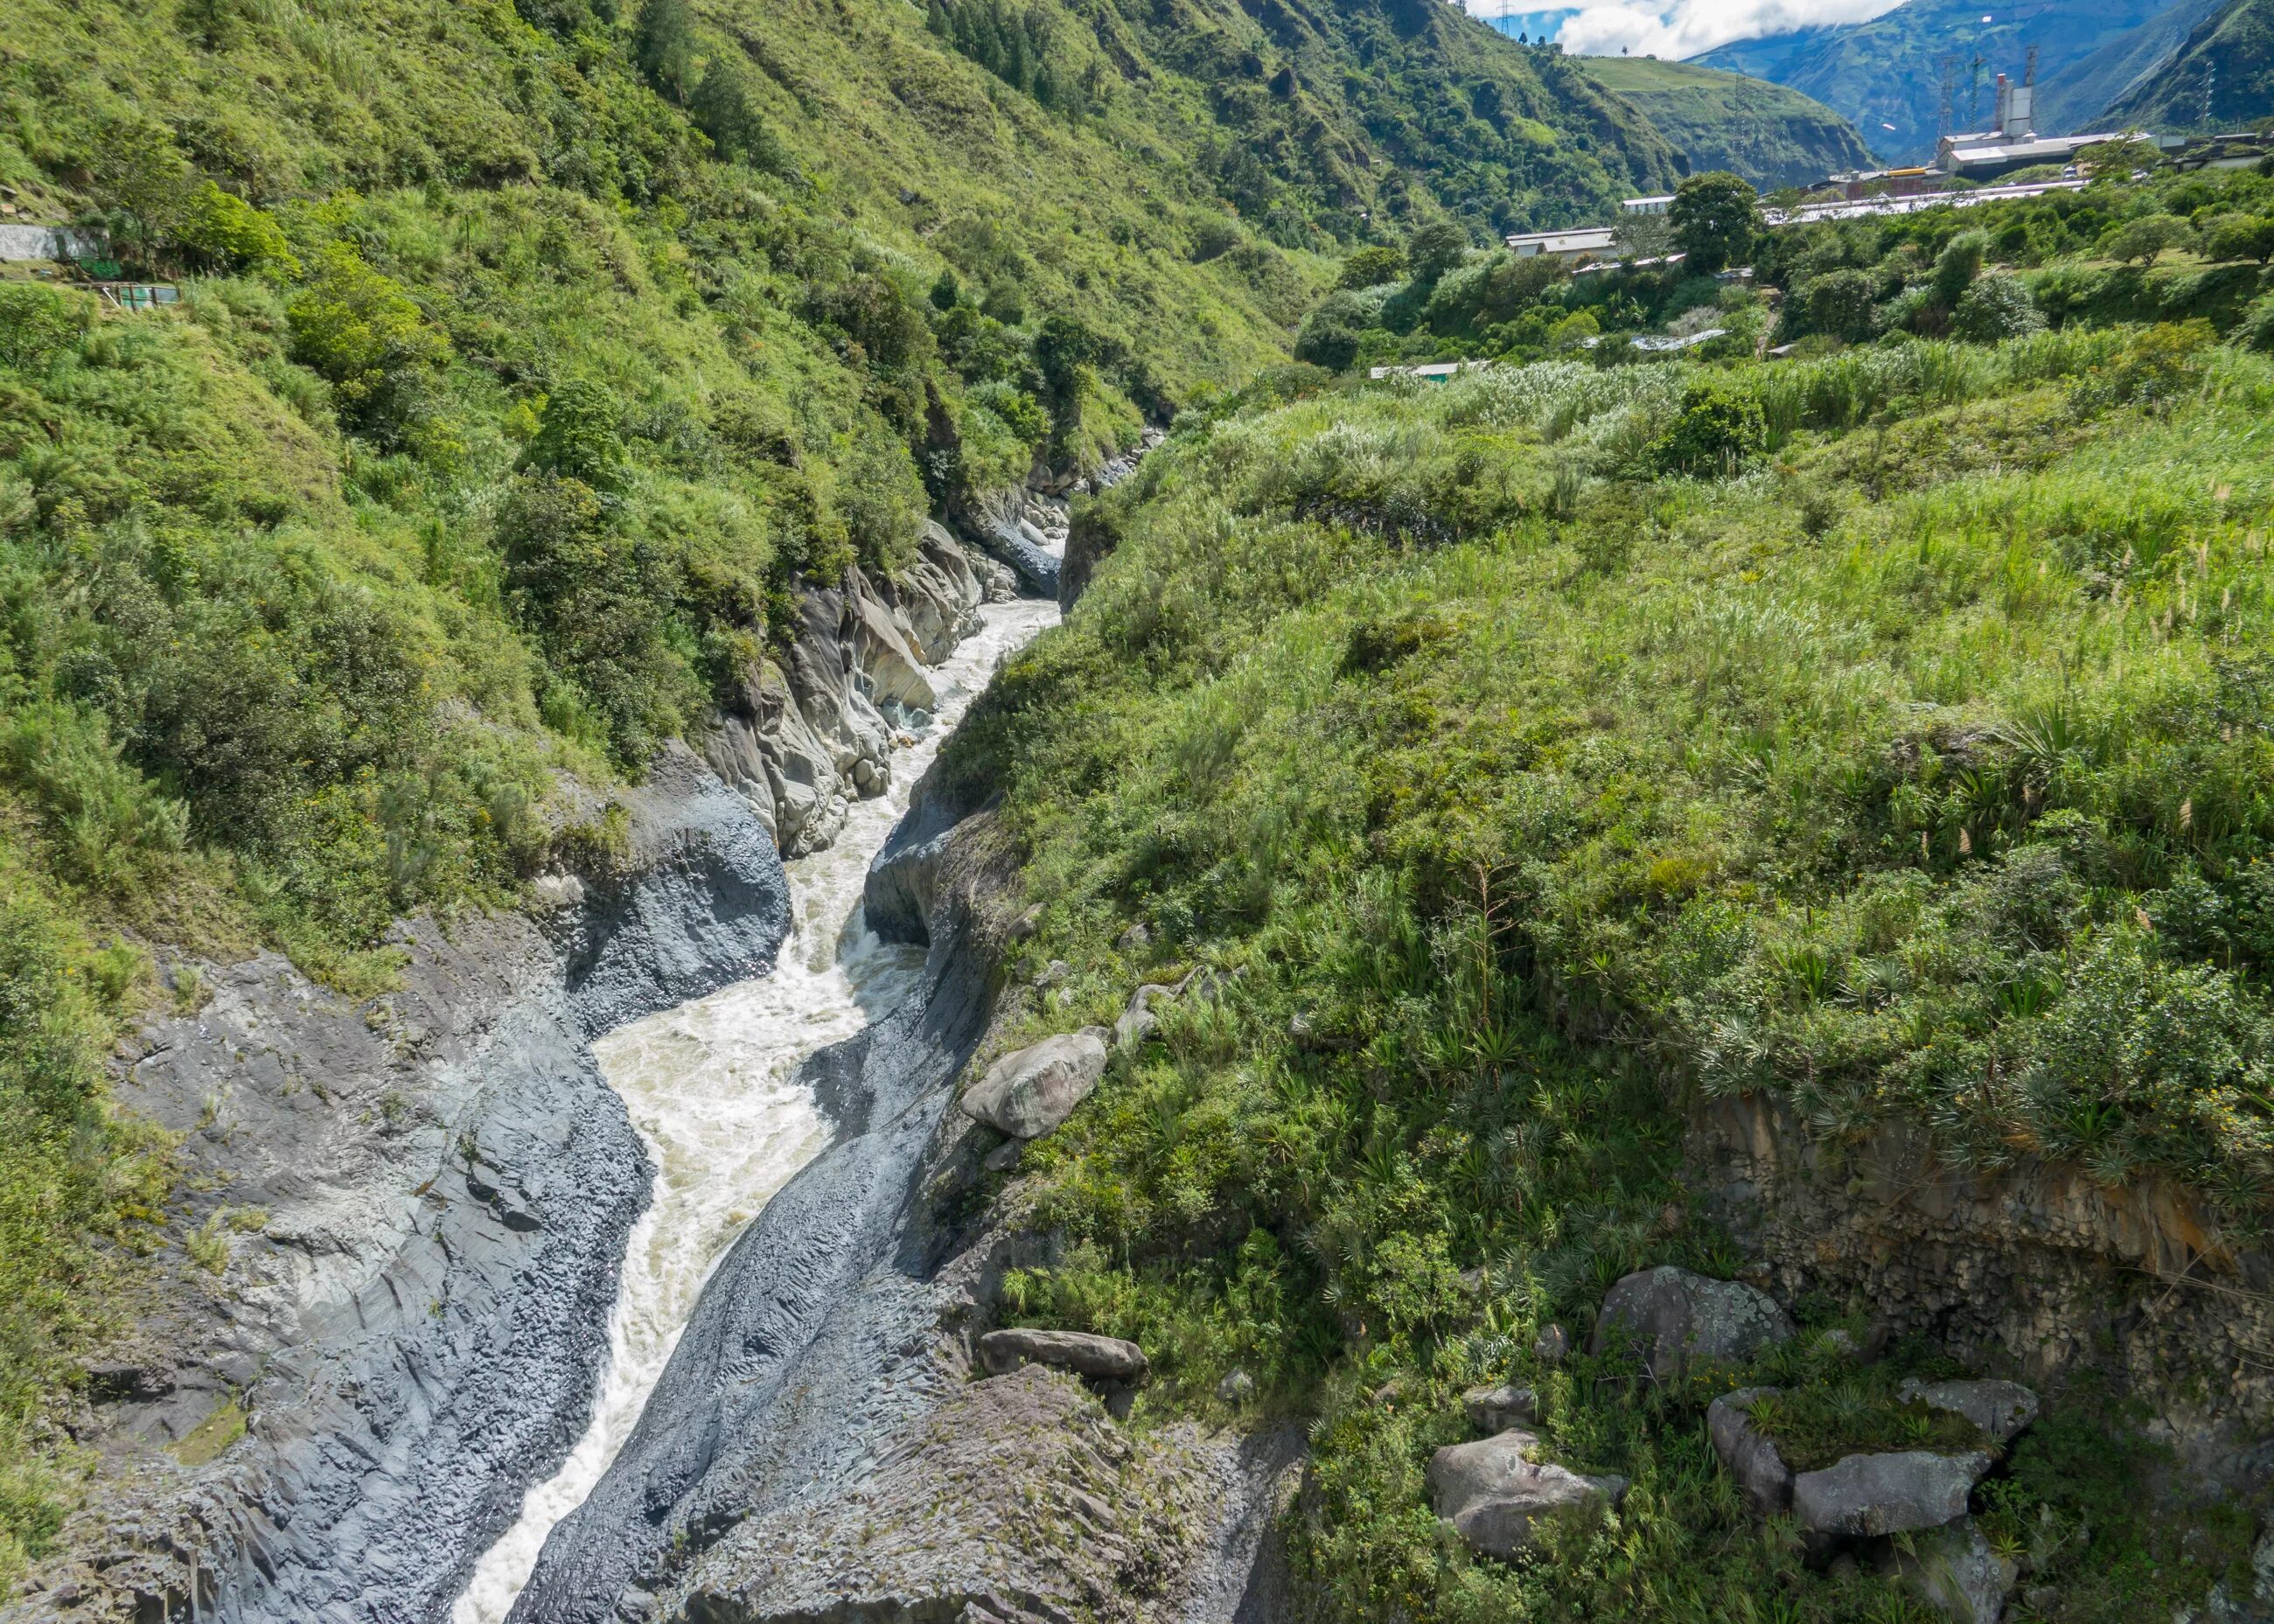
point(1949, 64)
point(1974, 106)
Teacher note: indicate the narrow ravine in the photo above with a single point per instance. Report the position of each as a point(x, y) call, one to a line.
point(710, 1087)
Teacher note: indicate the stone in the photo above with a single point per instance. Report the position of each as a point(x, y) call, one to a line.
point(1003, 1157)
point(1031, 1090)
point(1553, 1345)
point(1496, 1410)
point(1496, 1493)
point(1135, 939)
point(1670, 1316)
point(1954, 1568)
point(1101, 1359)
point(1747, 1453)
point(1861, 1495)
point(1236, 1388)
point(1140, 1020)
point(2003, 1409)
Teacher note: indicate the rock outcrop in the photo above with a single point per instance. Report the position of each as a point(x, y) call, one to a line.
point(424, 1198)
point(1861, 1495)
point(1031, 1090)
point(1747, 1453)
point(1100, 1358)
point(1672, 1318)
point(1496, 1409)
point(1497, 1492)
point(2041, 1269)
point(2002, 1410)
point(1955, 1567)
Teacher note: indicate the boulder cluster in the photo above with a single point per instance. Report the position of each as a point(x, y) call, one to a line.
point(1903, 1512)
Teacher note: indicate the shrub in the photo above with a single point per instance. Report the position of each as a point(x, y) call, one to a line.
point(1957, 266)
point(1719, 426)
point(577, 437)
point(359, 328)
point(1839, 302)
point(2140, 241)
point(1371, 266)
point(37, 324)
point(1996, 308)
point(227, 233)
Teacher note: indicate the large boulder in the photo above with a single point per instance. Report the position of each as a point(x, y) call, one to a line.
point(1497, 1494)
point(1032, 1090)
point(1670, 1316)
point(1101, 1359)
point(1496, 1409)
point(1861, 1495)
point(1954, 1568)
point(1749, 1454)
point(2002, 1410)
point(1018, 543)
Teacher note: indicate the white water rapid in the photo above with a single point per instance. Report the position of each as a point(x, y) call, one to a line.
point(709, 1085)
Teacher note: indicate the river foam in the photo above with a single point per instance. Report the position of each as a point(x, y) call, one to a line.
point(709, 1086)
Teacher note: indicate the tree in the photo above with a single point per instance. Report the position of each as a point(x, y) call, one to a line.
point(1329, 334)
point(139, 171)
point(723, 110)
point(663, 44)
point(2143, 239)
point(361, 330)
point(1645, 237)
point(1433, 249)
point(1714, 218)
point(1840, 303)
point(578, 437)
point(225, 232)
point(1957, 266)
point(2240, 237)
point(1997, 307)
point(1370, 267)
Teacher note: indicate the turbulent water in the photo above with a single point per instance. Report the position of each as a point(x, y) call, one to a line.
point(709, 1085)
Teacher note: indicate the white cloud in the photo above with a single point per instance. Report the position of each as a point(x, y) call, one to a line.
point(1685, 27)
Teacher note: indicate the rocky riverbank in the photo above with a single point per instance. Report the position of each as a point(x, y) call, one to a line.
point(402, 1218)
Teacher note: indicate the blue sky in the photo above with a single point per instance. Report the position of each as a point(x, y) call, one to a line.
point(1670, 27)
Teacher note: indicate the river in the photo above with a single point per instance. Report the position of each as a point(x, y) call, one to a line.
point(708, 1085)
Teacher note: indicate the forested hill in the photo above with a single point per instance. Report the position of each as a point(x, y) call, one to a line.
point(2219, 77)
point(1771, 134)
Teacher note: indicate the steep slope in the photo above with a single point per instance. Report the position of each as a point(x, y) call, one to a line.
point(2077, 98)
point(1772, 135)
point(1885, 75)
point(2220, 77)
point(536, 367)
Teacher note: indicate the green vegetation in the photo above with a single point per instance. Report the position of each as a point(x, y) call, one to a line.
point(2220, 77)
point(529, 356)
point(1535, 754)
point(1771, 135)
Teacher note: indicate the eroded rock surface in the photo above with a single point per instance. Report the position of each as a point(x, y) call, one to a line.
point(2002, 1410)
point(1860, 1495)
point(1954, 1568)
point(1749, 1454)
point(1497, 1492)
point(1672, 1317)
point(1031, 1090)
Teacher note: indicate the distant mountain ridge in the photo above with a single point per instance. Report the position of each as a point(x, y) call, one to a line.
point(1887, 75)
point(2219, 76)
point(1772, 135)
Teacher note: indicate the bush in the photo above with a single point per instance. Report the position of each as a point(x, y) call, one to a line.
point(2140, 241)
point(578, 438)
point(1996, 308)
point(1957, 266)
point(227, 233)
point(37, 324)
point(359, 329)
point(1371, 266)
point(1719, 426)
point(1839, 302)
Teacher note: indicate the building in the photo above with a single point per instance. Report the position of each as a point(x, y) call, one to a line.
point(1579, 242)
point(1432, 371)
point(1887, 183)
point(1648, 206)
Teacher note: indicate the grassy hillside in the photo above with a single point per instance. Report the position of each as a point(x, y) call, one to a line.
point(1885, 75)
point(1549, 749)
point(1771, 135)
point(2221, 76)
point(529, 356)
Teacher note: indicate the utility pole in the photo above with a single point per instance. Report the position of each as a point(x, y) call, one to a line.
point(1974, 107)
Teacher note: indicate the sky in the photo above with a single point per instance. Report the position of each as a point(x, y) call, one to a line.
point(1673, 27)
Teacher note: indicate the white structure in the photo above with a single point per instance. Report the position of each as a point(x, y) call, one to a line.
point(1432, 371)
point(1647, 205)
point(1577, 244)
point(17, 243)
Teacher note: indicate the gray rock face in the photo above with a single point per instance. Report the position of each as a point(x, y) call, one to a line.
point(1496, 1409)
point(1749, 1454)
point(1671, 1317)
point(1495, 1493)
point(441, 1184)
point(1954, 1568)
point(1016, 541)
point(1866, 1495)
point(1031, 1090)
point(2003, 1409)
point(1101, 1358)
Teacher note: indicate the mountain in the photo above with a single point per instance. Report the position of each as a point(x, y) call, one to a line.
point(1772, 135)
point(2220, 76)
point(2075, 99)
point(1887, 75)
